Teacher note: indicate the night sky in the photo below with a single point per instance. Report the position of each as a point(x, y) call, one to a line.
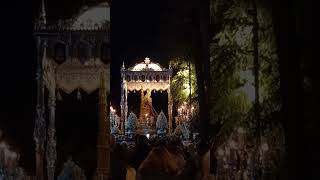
point(154, 28)
point(139, 29)
point(142, 29)
point(18, 79)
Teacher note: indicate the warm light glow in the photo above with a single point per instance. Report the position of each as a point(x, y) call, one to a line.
point(146, 65)
point(112, 109)
point(147, 60)
point(186, 88)
point(248, 87)
point(186, 72)
point(140, 67)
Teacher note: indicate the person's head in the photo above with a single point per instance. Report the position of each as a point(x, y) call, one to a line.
point(160, 142)
point(124, 145)
point(191, 149)
point(174, 144)
point(175, 140)
point(153, 139)
point(142, 141)
point(158, 161)
point(117, 148)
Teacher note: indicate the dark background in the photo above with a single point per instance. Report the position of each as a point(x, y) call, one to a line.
point(76, 121)
point(139, 29)
point(144, 28)
point(157, 29)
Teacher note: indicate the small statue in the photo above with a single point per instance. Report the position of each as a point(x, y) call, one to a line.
point(161, 124)
point(71, 171)
point(115, 122)
point(131, 125)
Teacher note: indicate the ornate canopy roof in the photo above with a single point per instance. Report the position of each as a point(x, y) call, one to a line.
point(146, 75)
point(92, 18)
point(89, 18)
point(72, 74)
point(146, 66)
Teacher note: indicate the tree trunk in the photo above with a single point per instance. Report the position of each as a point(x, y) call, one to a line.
point(256, 67)
point(290, 85)
point(202, 61)
point(201, 20)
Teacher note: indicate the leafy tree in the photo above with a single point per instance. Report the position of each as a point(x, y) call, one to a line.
point(234, 55)
point(232, 60)
point(180, 82)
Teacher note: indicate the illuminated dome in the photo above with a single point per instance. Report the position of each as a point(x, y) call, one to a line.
point(146, 66)
point(93, 18)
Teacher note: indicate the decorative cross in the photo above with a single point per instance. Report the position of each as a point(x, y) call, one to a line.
point(147, 61)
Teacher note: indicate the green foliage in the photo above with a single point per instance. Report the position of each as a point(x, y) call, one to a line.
point(233, 89)
point(180, 83)
point(232, 53)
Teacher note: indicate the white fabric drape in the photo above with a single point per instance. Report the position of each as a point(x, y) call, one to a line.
point(73, 75)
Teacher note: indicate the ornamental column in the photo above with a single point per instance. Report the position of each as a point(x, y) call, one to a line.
point(170, 101)
point(125, 105)
point(51, 153)
point(103, 139)
point(122, 103)
point(169, 109)
point(39, 133)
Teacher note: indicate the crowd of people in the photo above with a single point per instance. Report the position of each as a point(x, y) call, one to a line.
point(155, 158)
